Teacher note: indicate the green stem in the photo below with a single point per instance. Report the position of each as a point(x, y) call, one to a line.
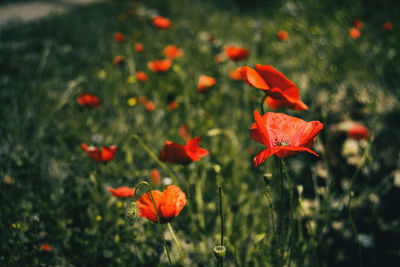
point(271, 208)
point(177, 244)
point(281, 219)
point(158, 218)
point(290, 208)
point(354, 227)
point(361, 164)
point(262, 104)
point(222, 223)
point(153, 156)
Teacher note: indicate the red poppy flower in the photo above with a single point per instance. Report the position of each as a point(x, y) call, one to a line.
point(160, 66)
point(106, 154)
point(173, 105)
point(123, 191)
point(388, 26)
point(45, 247)
point(205, 82)
point(118, 60)
point(149, 106)
point(235, 75)
point(281, 91)
point(236, 53)
point(354, 33)
point(138, 47)
point(88, 100)
point(283, 135)
point(358, 132)
point(169, 204)
point(283, 35)
point(184, 131)
point(161, 22)
point(357, 23)
point(141, 76)
point(177, 153)
point(155, 176)
point(172, 52)
point(119, 37)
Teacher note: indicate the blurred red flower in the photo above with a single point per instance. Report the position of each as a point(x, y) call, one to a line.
point(358, 24)
point(138, 47)
point(160, 66)
point(281, 91)
point(236, 53)
point(205, 82)
point(149, 106)
point(45, 247)
point(358, 132)
point(141, 76)
point(89, 100)
point(235, 75)
point(283, 35)
point(119, 37)
point(155, 176)
point(172, 52)
point(123, 191)
point(177, 153)
point(184, 131)
point(388, 26)
point(118, 60)
point(354, 33)
point(283, 135)
point(106, 154)
point(169, 204)
point(173, 105)
point(161, 22)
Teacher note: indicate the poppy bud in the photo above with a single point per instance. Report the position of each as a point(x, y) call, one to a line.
point(267, 178)
point(132, 213)
point(219, 252)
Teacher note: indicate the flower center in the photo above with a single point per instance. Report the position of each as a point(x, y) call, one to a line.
point(280, 142)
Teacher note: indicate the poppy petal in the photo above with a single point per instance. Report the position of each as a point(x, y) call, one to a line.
point(146, 206)
point(285, 151)
point(262, 131)
point(252, 77)
point(263, 155)
point(172, 202)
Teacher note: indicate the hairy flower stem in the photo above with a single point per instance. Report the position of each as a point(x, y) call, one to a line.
point(291, 209)
point(353, 225)
point(158, 218)
point(222, 223)
point(271, 208)
point(281, 219)
point(262, 104)
point(177, 244)
point(153, 156)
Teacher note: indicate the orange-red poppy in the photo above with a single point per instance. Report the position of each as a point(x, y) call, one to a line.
point(161, 22)
point(281, 91)
point(45, 247)
point(119, 60)
point(173, 105)
point(177, 153)
point(155, 176)
point(89, 100)
point(354, 33)
point(205, 82)
point(149, 106)
point(138, 47)
point(388, 26)
point(357, 23)
point(106, 154)
point(358, 132)
point(169, 204)
point(283, 35)
point(236, 53)
point(141, 76)
point(160, 66)
point(283, 135)
point(123, 191)
point(119, 37)
point(172, 52)
point(235, 75)
point(184, 131)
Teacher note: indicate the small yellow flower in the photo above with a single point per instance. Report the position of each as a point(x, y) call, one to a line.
point(116, 239)
point(98, 218)
point(102, 74)
point(119, 204)
point(176, 68)
point(131, 79)
point(132, 101)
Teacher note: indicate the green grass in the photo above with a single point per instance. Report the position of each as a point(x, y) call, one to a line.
point(51, 192)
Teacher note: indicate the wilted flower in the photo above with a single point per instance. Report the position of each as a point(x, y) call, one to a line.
point(123, 191)
point(161, 22)
point(283, 35)
point(119, 37)
point(172, 52)
point(106, 154)
point(236, 53)
point(160, 66)
point(281, 91)
point(205, 82)
point(177, 153)
point(169, 204)
point(283, 135)
point(89, 100)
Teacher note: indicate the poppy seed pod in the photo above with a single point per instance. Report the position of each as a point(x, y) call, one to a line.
point(132, 213)
point(219, 252)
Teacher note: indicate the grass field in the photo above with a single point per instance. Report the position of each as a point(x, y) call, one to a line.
point(338, 209)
